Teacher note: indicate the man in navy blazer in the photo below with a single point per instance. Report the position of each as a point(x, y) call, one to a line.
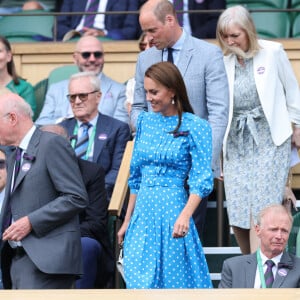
point(40, 246)
point(247, 271)
point(107, 136)
point(117, 26)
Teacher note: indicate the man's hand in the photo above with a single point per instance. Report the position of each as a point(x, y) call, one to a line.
point(17, 230)
point(92, 31)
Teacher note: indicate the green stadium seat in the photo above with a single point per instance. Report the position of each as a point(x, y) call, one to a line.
point(40, 90)
point(296, 27)
point(292, 241)
point(272, 24)
point(25, 27)
point(61, 73)
point(262, 4)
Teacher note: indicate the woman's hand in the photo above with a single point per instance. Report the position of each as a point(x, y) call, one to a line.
point(296, 137)
point(121, 232)
point(181, 226)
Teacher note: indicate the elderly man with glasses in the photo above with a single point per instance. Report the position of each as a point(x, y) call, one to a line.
point(88, 56)
point(95, 136)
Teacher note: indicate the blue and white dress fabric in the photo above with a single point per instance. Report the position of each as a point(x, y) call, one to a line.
point(255, 169)
point(160, 166)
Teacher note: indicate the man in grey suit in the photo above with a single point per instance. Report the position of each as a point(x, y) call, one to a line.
point(88, 56)
point(201, 65)
point(247, 271)
point(40, 246)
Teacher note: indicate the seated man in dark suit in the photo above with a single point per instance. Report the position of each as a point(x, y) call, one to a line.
point(97, 253)
point(95, 136)
point(271, 266)
point(114, 26)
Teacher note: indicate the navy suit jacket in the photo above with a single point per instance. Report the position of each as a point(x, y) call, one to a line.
point(111, 138)
point(118, 26)
point(94, 219)
point(204, 25)
point(239, 272)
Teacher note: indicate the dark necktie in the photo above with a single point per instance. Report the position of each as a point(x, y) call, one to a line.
point(178, 5)
point(170, 55)
point(83, 142)
point(18, 158)
point(269, 277)
point(89, 19)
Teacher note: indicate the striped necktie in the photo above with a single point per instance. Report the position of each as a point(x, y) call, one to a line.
point(89, 19)
point(269, 277)
point(83, 142)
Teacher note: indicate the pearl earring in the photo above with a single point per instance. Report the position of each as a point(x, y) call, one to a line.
point(173, 101)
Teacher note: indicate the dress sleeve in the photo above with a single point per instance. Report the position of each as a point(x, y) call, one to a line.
point(200, 177)
point(135, 167)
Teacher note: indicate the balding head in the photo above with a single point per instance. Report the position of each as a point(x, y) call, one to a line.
point(15, 119)
point(89, 54)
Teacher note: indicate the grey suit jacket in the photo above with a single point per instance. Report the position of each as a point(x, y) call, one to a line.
point(240, 271)
point(50, 191)
point(201, 65)
point(57, 106)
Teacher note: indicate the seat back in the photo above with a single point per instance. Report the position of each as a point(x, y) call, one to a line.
point(61, 73)
point(259, 3)
point(272, 25)
point(25, 27)
point(292, 245)
point(40, 90)
point(296, 26)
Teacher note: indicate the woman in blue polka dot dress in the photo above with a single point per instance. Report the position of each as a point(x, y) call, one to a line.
point(172, 147)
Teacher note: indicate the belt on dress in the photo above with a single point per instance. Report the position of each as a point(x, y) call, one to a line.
point(160, 180)
point(247, 118)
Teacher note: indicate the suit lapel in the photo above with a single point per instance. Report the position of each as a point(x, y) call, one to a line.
point(285, 265)
point(102, 132)
point(186, 54)
point(31, 154)
point(250, 271)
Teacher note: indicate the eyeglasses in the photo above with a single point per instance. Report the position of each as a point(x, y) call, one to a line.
point(82, 96)
point(87, 54)
point(2, 164)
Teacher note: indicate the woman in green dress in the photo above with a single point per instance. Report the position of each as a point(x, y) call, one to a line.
point(9, 77)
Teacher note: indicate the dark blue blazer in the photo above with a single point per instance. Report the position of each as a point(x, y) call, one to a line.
point(111, 138)
point(119, 26)
point(204, 25)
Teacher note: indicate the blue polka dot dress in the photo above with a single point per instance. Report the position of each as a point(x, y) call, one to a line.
point(160, 165)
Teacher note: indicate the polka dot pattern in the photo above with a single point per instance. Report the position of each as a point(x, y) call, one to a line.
point(159, 168)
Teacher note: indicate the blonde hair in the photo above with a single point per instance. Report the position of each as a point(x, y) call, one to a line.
point(241, 17)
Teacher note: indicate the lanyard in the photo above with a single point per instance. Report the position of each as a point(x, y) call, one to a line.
point(91, 141)
point(260, 269)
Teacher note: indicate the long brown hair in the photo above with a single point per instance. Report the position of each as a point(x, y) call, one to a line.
point(168, 75)
point(11, 68)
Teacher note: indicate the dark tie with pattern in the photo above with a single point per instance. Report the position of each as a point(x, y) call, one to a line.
point(178, 5)
point(83, 142)
point(89, 19)
point(269, 277)
point(170, 55)
point(17, 164)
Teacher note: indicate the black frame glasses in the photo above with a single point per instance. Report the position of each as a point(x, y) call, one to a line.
point(87, 54)
point(82, 96)
point(2, 164)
